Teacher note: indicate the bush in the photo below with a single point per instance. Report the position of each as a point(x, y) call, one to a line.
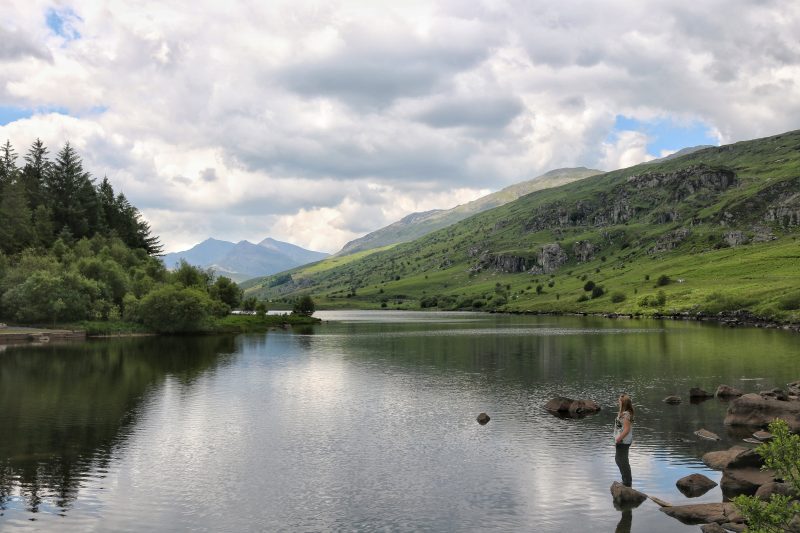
point(663, 280)
point(45, 297)
point(617, 297)
point(175, 309)
point(582, 298)
point(598, 291)
point(539, 289)
point(428, 301)
point(304, 306)
point(588, 286)
point(781, 454)
point(790, 302)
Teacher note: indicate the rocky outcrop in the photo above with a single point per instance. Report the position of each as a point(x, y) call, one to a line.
point(695, 485)
point(583, 251)
point(720, 459)
point(735, 238)
point(551, 257)
point(564, 406)
point(686, 181)
point(785, 212)
point(626, 496)
point(726, 391)
point(704, 513)
point(756, 411)
point(670, 240)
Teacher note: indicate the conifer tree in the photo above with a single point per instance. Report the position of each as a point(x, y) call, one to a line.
point(34, 173)
point(72, 194)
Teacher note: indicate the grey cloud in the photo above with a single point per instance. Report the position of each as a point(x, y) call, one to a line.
point(491, 112)
point(209, 175)
point(16, 45)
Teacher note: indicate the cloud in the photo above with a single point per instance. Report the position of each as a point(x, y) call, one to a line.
point(316, 122)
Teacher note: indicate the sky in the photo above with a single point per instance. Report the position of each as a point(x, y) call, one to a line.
point(317, 122)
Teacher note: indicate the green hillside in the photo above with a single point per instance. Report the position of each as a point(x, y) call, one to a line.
point(417, 225)
point(711, 231)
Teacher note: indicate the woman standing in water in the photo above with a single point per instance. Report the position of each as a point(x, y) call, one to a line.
point(623, 437)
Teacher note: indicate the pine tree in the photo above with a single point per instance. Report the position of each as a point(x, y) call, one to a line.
point(72, 195)
point(16, 232)
point(8, 165)
point(34, 173)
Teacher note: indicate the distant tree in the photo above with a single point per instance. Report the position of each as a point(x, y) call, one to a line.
point(173, 309)
point(226, 291)
point(16, 232)
point(34, 173)
point(8, 166)
point(249, 303)
point(191, 276)
point(304, 306)
point(72, 195)
point(663, 279)
point(598, 291)
point(588, 286)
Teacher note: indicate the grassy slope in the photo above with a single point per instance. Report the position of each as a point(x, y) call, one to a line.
point(758, 276)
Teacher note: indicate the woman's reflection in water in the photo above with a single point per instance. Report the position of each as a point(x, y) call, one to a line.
point(625, 521)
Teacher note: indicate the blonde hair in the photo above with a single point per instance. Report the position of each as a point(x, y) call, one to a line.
point(625, 404)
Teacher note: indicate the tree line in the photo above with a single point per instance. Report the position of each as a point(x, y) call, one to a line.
point(45, 200)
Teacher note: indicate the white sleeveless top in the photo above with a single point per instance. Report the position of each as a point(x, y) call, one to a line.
point(618, 427)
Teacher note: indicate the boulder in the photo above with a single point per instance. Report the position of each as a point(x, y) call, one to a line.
point(713, 527)
point(762, 435)
point(794, 387)
point(720, 459)
point(726, 391)
point(749, 458)
point(672, 400)
point(626, 496)
point(483, 419)
point(753, 410)
point(738, 527)
point(698, 393)
point(704, 513)
point(777, 394)
point(736, 481)
point(563, 406)
point(706, 434)
point(766, 490)
point(695, 485)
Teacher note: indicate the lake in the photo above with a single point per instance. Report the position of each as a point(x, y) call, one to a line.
point(367, 422)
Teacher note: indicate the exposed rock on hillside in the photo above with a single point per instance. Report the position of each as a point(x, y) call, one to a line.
point(670, 240)
point(550, 257)
point(583, 251)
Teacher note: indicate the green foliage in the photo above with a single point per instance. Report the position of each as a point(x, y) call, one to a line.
point(781, 454)
point(582, 298)
point(175, 309)
point(657, 300)
point(790, 302)
point(588, 286)
point(663, 280)
point(717, 302)
point(226, 291)
point(428, 301)
point(597, 291)
point(47, 297)
point(618, 297)
point(304, 306)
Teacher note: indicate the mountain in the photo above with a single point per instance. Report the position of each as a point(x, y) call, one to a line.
point(716, 230)
point(682, 152)
point(416, 225)
point(244, 260)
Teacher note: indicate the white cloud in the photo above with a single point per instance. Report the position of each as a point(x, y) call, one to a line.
point(320, 121)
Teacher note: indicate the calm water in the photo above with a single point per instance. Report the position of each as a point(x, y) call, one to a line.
point(366, 422)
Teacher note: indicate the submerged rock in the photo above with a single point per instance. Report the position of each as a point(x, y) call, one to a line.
point(483, 419)
point(753, 410)
point(713, 527)
point(568, 407)
point(696, 393)
point(706, 434)
point(726, 391)
point(672, 400)
point(695, 485)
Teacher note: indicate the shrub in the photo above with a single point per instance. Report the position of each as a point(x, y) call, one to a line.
point(477, 304)
point(663, 280)
point(781, 454)
point(304, 306)
point(589, 285)
point(428, 301)
point(617, 297)
point(582, 298)
point(790, 302)
point(598, 291)
point(647, 277)
point(539, 289)
point(172, 309)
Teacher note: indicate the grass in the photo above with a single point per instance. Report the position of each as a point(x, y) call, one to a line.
point(259, 323)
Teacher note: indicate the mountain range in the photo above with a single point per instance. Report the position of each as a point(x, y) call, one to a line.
point(416, 225)
point(711, 231)
point(244, 260)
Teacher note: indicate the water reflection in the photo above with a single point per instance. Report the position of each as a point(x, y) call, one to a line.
point(65, 406)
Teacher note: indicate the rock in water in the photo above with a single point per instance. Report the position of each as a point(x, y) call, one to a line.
point(763, 435)
point(753, 410)
point(626, 496)
point(704, 513)
point(766, 490)
point(483, 419)
point(706, 434)
point(713, 527)
point(736, 481)
point(672, 400)
point(698, 393)
point(563, 406)
point(695, 485)
point(794, 387)
point(719, 460)
point(726, 391)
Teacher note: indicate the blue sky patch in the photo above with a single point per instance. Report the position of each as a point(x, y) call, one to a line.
point(665, 134)
point(62, 23)
point(9, 114)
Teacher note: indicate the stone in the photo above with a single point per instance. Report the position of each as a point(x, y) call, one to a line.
point(551, 257)
point(697, 393)
point(483, 419)
point(766, 490)
point(736, 481)
point(672, 400)
point(755, 411)
point(726, 391)
point(626, 496)
point(794, 387)
point(776, 394)
point(763, 435)
point(706, 434)
point(720, 459)
point(695, 485)
point(704, 513)
point(568, 407)
point(583, 251)
point(736, 527)
point(660, 502)
point(713, 527)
